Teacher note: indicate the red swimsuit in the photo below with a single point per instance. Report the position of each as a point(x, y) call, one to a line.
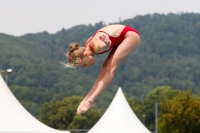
point(115, 40)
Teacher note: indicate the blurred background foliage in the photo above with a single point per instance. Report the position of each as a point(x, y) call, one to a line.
point(165, 64)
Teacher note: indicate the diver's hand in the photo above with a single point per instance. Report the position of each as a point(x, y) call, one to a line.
point(85, 105)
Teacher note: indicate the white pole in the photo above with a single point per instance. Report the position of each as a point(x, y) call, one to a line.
point(143, 118)
point(156, 117)
point(8, 71)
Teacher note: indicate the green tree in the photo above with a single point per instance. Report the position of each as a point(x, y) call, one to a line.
point(155, 96)
point(180, 114)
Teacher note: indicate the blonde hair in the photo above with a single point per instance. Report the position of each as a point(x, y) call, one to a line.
point(74, 53)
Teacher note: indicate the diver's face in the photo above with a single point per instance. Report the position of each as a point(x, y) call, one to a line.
point(86, 62)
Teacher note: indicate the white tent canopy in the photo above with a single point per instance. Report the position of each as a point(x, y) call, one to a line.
point(14, 118)
point(119, 118)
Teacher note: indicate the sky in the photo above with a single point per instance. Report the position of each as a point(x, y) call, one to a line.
point(19, 17)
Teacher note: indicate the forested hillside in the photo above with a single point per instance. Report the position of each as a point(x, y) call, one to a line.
point(168, 55)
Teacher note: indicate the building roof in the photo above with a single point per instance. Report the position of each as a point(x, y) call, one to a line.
point(119, 118)
point(15, 118)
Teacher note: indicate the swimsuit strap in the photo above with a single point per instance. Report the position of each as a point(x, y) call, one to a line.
point(103, 32)
point(90, 40)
